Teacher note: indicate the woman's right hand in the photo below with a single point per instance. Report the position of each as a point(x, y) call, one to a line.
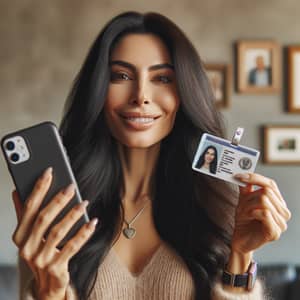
point(48, 264)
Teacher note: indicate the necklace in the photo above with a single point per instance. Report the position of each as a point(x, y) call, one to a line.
point(129, 232)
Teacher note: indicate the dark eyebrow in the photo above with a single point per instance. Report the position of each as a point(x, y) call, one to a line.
point(133, 68)
point(161, 66)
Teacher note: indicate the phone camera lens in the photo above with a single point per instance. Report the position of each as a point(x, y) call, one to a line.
point(15, 157)
point(10, 145)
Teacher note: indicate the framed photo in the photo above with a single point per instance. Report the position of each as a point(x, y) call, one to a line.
point(293, 79)
point(282, 144)
point(258, 67)
point(220, 78)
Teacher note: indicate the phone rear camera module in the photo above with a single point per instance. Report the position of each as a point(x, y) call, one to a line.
point(16, 150)
point(15, 157)
point(10, 145)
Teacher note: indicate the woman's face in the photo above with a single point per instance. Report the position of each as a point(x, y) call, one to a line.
point(209, 155)
point(142, 99)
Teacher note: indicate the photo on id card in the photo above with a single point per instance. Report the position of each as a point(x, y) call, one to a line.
point(220, 158)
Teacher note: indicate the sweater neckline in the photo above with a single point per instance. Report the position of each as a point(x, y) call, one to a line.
point(146, 267)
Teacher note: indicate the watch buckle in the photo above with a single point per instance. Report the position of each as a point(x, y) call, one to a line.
point(232, 279)
point(251, 273)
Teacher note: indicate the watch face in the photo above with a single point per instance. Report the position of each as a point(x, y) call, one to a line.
point(252, 272)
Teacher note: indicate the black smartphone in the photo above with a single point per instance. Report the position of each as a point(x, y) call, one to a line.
point(28, 152)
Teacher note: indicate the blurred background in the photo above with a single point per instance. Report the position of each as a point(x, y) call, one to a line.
point(43, 44)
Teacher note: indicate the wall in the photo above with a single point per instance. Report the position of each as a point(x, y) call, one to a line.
point(43, 44)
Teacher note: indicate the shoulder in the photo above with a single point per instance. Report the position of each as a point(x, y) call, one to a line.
point(252, 72)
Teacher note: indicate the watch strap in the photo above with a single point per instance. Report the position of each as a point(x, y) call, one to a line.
point(236, 280)
point(245, 280)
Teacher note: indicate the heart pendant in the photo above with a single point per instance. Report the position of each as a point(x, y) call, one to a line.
point(129, 232)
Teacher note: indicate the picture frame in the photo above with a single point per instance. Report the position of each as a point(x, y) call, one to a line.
point(220, 79)
point(258, 67)
point(293, 79)
point(281, 144)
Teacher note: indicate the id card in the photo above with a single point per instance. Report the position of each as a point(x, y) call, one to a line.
point(220, 158)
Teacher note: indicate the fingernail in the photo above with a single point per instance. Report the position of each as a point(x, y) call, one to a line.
point(258, 213)
point(47, 173)
point(84, 203)
point(69, 189)
point(93, 223)
point(242, 176)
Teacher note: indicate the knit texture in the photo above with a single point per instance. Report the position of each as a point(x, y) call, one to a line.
point(164, 277)
point(257, 294)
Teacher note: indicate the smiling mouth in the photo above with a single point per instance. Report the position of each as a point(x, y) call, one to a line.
point(139, 118)
point(139, 122)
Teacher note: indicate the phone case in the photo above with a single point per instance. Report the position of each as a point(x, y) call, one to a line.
point(45, 149)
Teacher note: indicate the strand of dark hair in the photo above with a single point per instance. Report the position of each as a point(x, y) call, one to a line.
point(192, 212)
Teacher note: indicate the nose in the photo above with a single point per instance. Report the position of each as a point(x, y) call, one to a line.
point(141, 93)
point(139, 101)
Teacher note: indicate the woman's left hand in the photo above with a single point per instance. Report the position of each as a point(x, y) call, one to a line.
point(261, 215)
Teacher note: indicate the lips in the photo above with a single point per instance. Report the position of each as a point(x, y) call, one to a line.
point(139, 121)
point(139, 115)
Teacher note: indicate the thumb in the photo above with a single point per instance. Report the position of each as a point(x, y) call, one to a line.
point(244, 190)
point(18, 205)
point(248, 188)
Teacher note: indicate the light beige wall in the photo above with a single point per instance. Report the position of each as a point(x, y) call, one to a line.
point(43, 44)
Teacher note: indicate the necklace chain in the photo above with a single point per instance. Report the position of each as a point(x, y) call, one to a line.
point(136, 216)
point(129, 232)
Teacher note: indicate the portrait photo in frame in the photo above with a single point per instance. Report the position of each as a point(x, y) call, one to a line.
point(258, 67)
point(281, 144)
point(293, 79)
point(220, 78)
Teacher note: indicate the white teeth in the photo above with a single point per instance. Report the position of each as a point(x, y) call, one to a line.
point(140, 120)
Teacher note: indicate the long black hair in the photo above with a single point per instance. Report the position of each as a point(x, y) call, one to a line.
point(213, 164)
point(192, 212)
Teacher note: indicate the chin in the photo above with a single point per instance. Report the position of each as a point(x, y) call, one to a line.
point(138, 143)
point(139, 140)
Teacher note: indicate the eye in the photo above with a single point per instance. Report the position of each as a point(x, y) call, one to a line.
point(163, 78)
point(119, 76)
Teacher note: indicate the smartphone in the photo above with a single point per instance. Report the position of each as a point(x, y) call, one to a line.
point(28, 152)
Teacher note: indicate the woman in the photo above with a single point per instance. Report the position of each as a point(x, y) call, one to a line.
point(132, 124)
point(208, 160)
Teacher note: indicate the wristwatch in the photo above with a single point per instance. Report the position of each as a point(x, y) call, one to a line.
point(246, 280)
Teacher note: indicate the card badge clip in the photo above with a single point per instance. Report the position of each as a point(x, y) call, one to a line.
point(237, 136)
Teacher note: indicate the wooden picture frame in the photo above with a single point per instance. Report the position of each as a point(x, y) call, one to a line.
point(293, 79)
point(220, 78)
point(258, 67)
point(281, 144)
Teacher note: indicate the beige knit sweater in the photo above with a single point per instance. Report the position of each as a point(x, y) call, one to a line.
point(165, 277)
